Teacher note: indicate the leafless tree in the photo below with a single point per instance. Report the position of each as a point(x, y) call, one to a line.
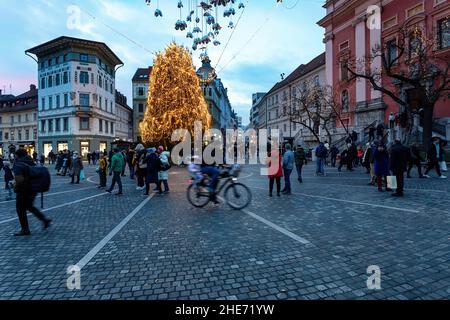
point(413, 61)
point(314, 107)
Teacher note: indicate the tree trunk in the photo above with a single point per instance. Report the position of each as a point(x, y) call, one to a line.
point(427, 124)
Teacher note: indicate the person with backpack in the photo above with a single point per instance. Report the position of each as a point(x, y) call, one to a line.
point(163, 174)
point(25, 189)
point(115, 169)
point(321, 155)
point(9, 178)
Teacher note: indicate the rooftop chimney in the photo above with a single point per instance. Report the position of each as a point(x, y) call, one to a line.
point(32, 87)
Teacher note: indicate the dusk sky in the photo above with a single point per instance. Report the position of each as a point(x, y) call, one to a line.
point(287, 37)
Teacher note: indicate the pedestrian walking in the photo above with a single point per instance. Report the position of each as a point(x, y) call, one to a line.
point(381, 165)
point(275, 171)
point(321, 155)
point(24, 193)
point(391, 120)
point(102, 170)
point(334, 151)
point(347, 158)
point(89, 157)
point(130, 158)
point(152, 169)
point(140, 166)
point(434, 154)
point(300, 161)
point(398, 165)
point(369, 160)
point(115, 169)
point(359, 155)
point(9, 180)
point(76, 165)
point(288, 166)
point(415, 159)
point(163, 174)
point(442, 163)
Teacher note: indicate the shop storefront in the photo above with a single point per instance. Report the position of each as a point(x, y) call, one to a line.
point(84, 149)
point(47, 147)
point(63, 145)
point(103, 146)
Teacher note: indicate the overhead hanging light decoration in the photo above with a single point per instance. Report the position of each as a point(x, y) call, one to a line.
point(201, 19)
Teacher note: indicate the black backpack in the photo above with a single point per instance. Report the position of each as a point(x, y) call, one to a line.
point(165, 166)
point(39, 179)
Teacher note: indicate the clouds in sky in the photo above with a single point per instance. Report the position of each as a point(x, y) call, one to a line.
point(280, 40)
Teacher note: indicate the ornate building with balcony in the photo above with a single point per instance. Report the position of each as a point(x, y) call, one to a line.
point(356, 29)
point(18, 121)
point(76, 102)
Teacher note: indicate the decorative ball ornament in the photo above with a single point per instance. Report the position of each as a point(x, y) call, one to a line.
point(158, 13)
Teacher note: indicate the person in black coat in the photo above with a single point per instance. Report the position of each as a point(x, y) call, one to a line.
point(415, 159)
point(398, 163)
point(334, 151)
point(434, 154)
point(25, 197)
point(153, 167)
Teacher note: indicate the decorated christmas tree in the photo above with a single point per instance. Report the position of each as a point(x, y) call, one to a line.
point(175, 99)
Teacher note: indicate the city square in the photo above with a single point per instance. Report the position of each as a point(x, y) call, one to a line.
point(314, 244)
point(195, 151)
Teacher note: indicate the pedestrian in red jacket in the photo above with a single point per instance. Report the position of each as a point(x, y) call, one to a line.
point(275, 171)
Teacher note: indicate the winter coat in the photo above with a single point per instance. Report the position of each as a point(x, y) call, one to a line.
point(288, 160)
point(432, 153)
point(321, 151)
point(414, 154)
point(75, 166)
point(164, 159)
point(21, 169)
point(103, 164)
point(300, 156)
point(8, 174)
point(275, 172)
point(334, 151)
point(399, 158)
point(381, 163)
point(117, 162)
point(153, 167)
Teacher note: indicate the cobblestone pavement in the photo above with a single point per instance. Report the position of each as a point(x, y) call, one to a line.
point(314, 244)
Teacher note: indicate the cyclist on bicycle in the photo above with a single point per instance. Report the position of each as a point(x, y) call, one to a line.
point(213, 173)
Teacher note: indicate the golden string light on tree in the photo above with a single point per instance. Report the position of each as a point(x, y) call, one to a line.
point(175, 99)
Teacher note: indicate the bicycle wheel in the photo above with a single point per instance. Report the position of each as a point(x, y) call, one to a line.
point(197, 197)
point(238, 196)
